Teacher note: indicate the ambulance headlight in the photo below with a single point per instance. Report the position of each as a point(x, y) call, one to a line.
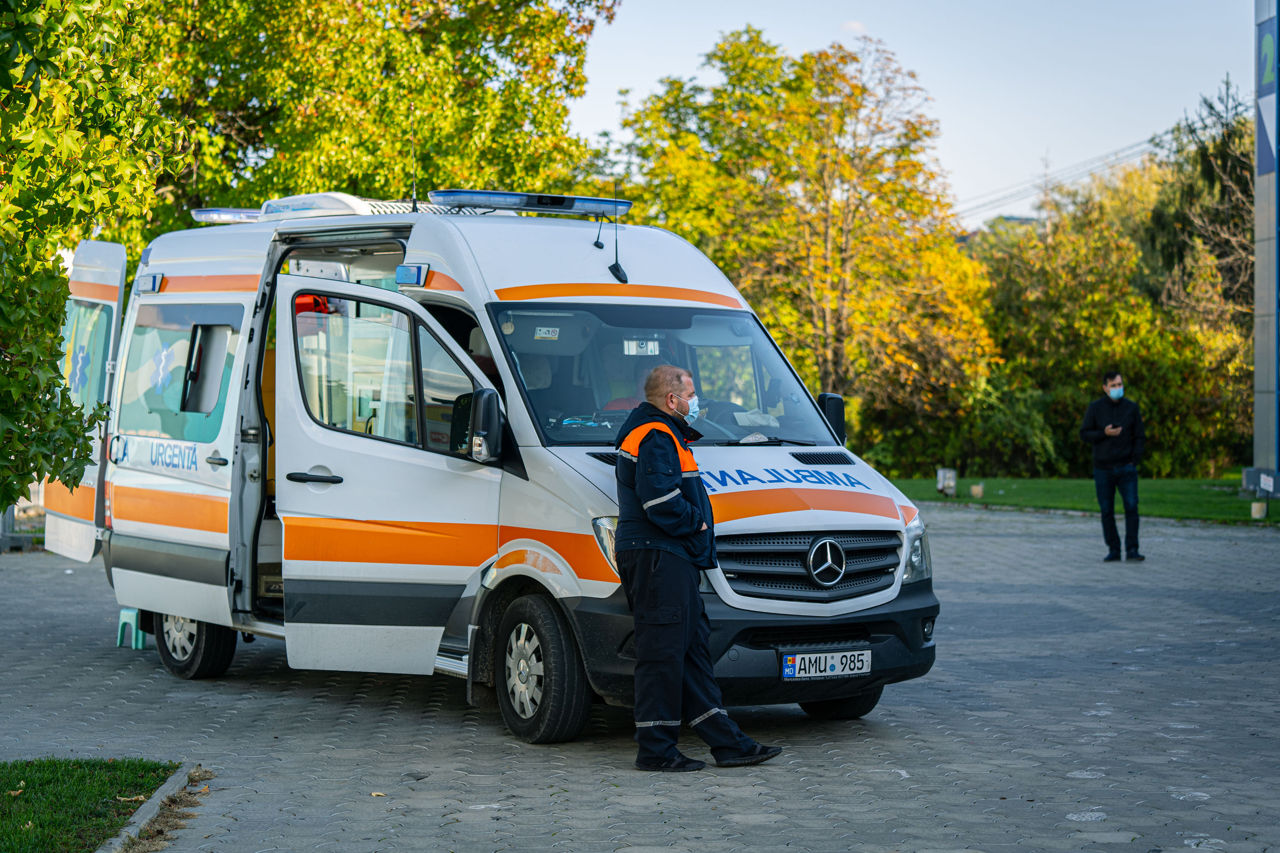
point(919, 563)
point(606, 528)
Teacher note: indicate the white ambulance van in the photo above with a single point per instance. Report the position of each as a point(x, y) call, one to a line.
point(383, 433)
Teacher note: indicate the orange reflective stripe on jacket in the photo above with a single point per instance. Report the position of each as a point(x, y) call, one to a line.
point(631, 444)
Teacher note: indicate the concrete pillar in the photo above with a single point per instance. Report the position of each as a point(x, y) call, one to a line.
point(1266, 419)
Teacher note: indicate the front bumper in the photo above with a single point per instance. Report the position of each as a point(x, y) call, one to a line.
point(747, 647)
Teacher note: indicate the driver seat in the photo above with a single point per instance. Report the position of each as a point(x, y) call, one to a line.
point(551, 394)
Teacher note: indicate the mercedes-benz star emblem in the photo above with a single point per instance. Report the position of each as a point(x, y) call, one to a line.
point(826, 562)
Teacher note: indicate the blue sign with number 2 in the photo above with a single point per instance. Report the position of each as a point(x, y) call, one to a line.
point(1266, 103)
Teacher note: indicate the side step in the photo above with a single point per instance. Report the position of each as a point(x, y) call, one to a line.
point(452, 663)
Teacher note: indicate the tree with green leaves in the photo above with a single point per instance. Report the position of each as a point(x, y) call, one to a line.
point(296, 96)
point(119, 116)
point(1204, 208)
point(1072, 297)
point(810, 181)
point(81, 139)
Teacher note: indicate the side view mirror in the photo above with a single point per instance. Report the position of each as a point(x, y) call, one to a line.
point(485, 434)
point(832, 406)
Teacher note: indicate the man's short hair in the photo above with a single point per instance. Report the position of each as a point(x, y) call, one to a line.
point(1109, 375)
point(663, 380)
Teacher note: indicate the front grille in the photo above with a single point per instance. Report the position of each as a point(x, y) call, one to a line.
point(772, 565)
point(805, 636)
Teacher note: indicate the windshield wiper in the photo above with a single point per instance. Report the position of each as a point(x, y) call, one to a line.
point(768, 441)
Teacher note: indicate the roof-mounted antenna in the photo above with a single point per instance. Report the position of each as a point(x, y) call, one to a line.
point(599, 228)
point(413, 156)
point(616, 268)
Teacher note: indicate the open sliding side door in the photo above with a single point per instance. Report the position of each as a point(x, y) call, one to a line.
point(90, 338)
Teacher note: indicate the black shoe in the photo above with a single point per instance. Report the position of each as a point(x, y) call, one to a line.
point(1134, 556)
point(755, 754)
point(1112, 557)
point(676, 764)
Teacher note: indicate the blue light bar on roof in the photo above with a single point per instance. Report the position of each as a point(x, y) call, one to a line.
point(225, 215)
point(566, 205)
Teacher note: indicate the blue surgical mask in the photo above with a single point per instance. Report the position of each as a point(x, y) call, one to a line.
point(693, 409)
point(1116, 393)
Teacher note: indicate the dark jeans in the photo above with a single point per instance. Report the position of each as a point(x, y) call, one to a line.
point(1108, 481)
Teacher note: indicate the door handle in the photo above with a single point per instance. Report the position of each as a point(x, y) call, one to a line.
point(300, 477)
point(216, 459)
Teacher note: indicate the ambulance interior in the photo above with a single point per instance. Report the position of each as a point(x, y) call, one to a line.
point(344, 358)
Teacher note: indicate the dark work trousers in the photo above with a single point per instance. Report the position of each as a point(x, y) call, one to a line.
point(675, 682)
point(1108, 481)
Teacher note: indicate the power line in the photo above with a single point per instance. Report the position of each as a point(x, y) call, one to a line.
point(1035, 187)
point(1062, 173)
point(1065, 175)
point(1070, 174)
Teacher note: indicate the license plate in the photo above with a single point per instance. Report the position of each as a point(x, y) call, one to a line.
point(826, 664)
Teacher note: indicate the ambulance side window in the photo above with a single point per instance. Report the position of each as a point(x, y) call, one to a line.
point(446, 393)
point(465, 331)
point(178, 371)
point(356, 366)
point(203, 380)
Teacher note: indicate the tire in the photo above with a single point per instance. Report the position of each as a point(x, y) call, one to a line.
point(851, 708)
point(542, 687)
point(191, 649)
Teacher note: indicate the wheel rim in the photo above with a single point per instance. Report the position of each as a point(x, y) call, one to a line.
point(179, 636)
point(524, 670)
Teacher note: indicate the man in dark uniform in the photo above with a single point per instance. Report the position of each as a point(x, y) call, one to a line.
point(1113, 425)
point(665, 537)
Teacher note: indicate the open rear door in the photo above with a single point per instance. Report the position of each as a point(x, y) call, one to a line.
point(90, 338)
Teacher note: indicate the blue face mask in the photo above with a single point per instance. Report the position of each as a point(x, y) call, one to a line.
point(693, 409)
point(1116, 393)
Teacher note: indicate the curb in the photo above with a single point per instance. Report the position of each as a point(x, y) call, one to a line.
point(1080, 513)
point(1077, 513)
point(148, 810)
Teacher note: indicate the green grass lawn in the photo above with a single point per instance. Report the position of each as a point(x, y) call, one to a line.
point(72, 805)
point(1206, 500)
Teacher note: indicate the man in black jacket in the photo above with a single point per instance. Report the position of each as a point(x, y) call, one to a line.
point(1113, 425)
point(665, 537)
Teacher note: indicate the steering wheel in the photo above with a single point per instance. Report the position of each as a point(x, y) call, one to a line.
point(721, 411)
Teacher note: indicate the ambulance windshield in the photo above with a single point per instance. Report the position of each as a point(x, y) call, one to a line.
point(581, 368)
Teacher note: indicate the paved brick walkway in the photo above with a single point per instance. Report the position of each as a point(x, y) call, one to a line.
point(1073, 705)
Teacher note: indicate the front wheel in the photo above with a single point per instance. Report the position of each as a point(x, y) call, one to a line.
point(542, 687)
point(191, 649)
point(851, 708)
